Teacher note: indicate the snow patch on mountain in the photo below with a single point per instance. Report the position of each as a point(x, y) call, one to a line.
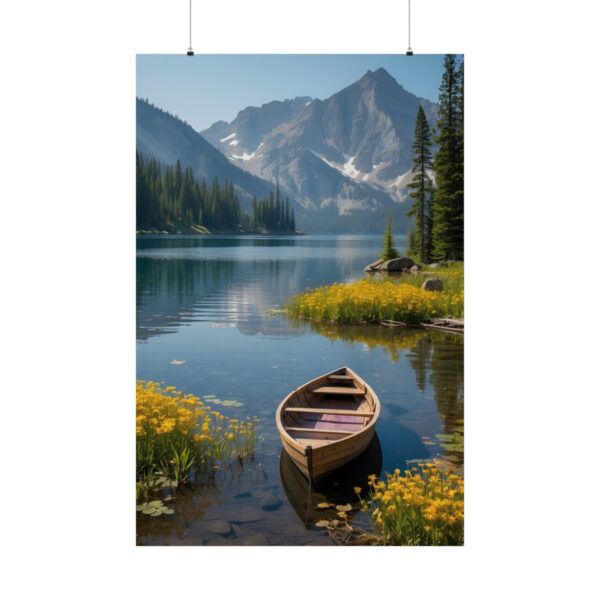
point(228, 137)
point(244, 156)
point(349, 169)
point(234, 142)
point(332, 165)
point(403, 179)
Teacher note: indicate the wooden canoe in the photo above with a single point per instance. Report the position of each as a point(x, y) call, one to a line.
point(327, 422)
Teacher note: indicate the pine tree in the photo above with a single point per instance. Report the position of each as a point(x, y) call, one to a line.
point(421, 185)
point(254, 219)
point(271, 211)
point(286, 218)
point(448, 163)
point(292, 221)
point(388, 251)
point(411, 246)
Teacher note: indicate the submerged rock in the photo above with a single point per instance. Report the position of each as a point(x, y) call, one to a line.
point(220, 526)
point(243, 495)
point(270, 502)
point(247, 514)
point(433, 284)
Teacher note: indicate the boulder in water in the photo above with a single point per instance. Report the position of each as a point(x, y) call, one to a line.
point(398, 264)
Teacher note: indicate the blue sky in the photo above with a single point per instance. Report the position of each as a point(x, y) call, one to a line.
point(210, 87)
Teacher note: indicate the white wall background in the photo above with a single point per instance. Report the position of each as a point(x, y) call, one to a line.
point(68, 249)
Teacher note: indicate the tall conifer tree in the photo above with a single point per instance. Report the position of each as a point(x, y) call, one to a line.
point(448, 205)
point(421, 185)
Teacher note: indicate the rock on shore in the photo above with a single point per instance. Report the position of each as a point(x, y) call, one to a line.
point(374, 266)
point(433, 284)
point(394, 265)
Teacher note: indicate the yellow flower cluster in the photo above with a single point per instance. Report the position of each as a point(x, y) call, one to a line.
point(164, 410)
point(424, 507)
point(167, 419)
point(376, 300)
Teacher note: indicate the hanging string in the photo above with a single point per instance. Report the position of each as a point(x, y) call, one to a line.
point(190, 52)
point(409, 52)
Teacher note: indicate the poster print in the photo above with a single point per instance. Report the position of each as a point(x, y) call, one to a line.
point(299, 300)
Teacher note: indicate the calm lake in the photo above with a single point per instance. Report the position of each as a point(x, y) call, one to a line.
point(204, 302)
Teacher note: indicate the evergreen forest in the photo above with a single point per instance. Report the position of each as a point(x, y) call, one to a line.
point(170, 197)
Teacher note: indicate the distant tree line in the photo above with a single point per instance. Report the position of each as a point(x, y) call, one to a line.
point(168, 196)
point(438, 184)
point(273, 214)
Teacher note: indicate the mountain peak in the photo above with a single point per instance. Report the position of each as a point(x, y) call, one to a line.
point(379, 75)
point(351, 151)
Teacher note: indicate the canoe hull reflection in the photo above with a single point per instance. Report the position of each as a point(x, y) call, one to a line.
point(335, 488)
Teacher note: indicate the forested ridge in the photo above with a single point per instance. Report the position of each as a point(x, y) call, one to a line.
point(169, 197)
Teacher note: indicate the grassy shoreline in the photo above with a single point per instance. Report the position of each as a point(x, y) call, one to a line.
point(373, 300)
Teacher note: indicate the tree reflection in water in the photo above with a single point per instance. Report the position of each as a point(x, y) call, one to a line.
point(434, 359)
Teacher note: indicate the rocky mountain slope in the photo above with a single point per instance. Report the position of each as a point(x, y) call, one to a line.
point(350, 152)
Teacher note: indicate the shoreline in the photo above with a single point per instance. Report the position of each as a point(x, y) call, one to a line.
point(142, 232)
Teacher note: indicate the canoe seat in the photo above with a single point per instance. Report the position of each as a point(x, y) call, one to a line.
point(341, 378)
point(333, 389)
point(319, 431)
point(329, 411)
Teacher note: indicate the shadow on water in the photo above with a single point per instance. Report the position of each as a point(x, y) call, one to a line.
point(336, 488)
point(403, 443)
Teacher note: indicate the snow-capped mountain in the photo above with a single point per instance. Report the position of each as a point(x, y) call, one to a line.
point(351, 152)
point(251, 126)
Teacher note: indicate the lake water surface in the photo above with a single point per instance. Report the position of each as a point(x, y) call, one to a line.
point(205, 301)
